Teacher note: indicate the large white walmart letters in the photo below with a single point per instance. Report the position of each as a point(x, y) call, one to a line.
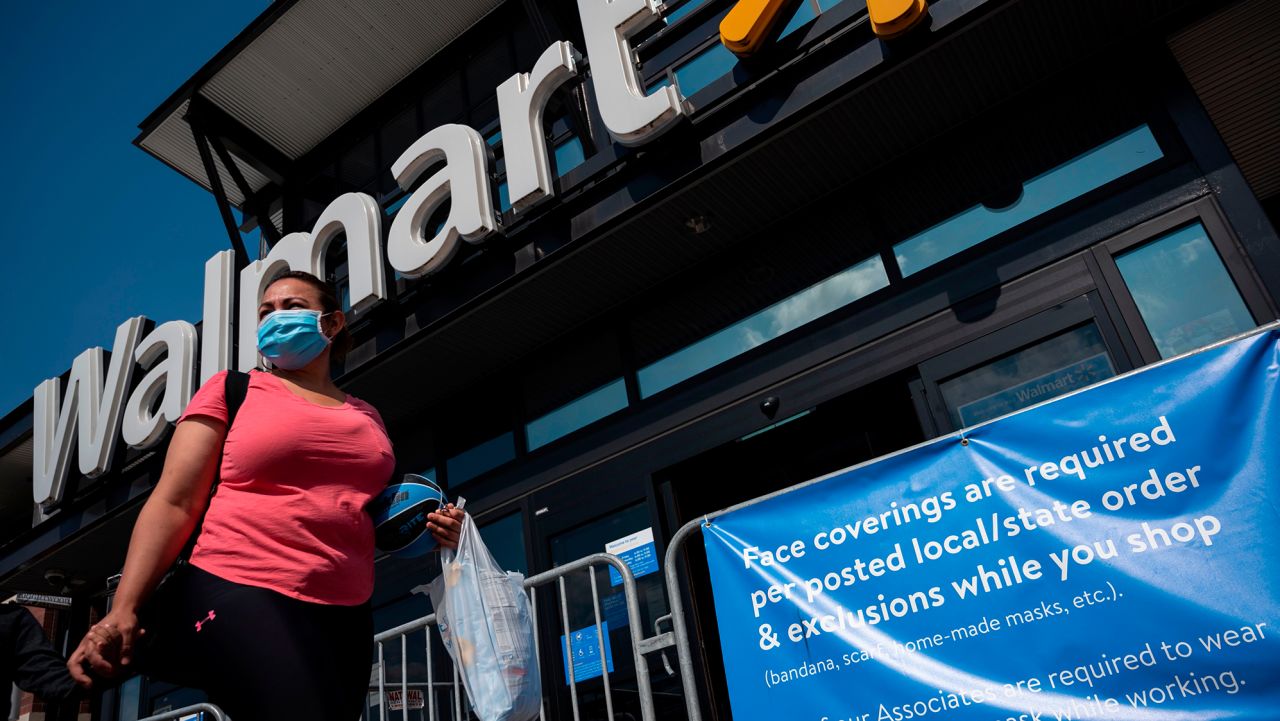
point(169, 353)
point(464, 181)
point(89, 405)
point(94, 412)
point(355, 214)
point(521, 100)
point(632, 117)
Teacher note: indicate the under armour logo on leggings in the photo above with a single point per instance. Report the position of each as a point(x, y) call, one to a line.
point(203, 621)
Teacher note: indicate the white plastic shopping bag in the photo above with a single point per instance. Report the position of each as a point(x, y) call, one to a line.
point(486, 626)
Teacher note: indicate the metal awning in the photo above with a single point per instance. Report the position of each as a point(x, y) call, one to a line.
point(299, 72)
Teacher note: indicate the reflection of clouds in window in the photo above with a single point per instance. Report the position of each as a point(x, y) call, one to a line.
point(1152, 305)
point(816, 301)
point(1183, 292)
point(783, 317)
point(1190, 251)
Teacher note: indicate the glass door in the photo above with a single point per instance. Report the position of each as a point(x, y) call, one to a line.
point(870, 421)
point(1059, 350)
point(1180, 283)
point(574, 522)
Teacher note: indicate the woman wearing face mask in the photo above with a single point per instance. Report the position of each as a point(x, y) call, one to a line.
point(273, 608)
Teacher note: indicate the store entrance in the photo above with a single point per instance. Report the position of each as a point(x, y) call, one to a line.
point(874, 420)
point(867, 423)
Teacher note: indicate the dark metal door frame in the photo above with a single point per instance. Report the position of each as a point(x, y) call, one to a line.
point(1204, 211)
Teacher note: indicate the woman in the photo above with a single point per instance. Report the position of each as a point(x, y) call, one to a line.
point(273, 609)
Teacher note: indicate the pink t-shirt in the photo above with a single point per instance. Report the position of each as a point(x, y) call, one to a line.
point(288, 514)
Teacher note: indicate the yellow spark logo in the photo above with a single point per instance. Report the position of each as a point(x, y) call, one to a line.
point(750, 24)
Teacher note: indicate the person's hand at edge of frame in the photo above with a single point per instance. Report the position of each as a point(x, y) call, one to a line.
point(446, 525)
point(107, 648)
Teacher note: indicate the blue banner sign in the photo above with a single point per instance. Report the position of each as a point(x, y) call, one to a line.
point(1111, 554)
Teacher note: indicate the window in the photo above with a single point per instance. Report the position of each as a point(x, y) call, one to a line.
point(392, 208)
point(1055, 351)
point(704, 68)
point(576, 382)
point(810, 304)
point(1061, 364)
point(807, 10)
point(1183, 291)
point(504, 197)
point(505, 540)
point(580, 607)
point(592, 537)
point(587, 409)
point(569, 154)
point(683, 10)
point(481, 458)
point(1179, 283)
point(566, 155)
point(1049, 190)
point(716, 61)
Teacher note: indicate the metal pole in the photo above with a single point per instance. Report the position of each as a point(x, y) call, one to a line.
point(678, 627)
point(643, 686)
point(431, 680)
point(537, 653)
point(216, 713)
point(457, 695)
point(404, 677)
point(600, 639)
point(568, 648)
point(220, 196)
point(382, 683)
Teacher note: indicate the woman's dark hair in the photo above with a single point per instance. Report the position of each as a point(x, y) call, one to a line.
point(341, 343)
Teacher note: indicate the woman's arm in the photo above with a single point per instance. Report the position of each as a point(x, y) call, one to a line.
point(171, 513)
point(163, 527)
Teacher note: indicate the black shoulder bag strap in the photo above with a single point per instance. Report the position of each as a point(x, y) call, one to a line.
point(235, 389)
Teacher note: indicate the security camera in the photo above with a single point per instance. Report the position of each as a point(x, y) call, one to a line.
point(769, 406)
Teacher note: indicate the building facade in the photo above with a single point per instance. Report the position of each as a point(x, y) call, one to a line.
point(690, 279)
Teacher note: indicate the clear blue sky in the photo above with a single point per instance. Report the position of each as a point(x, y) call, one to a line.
point(95, 230)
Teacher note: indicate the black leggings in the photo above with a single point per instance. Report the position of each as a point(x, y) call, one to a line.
point(262, 655)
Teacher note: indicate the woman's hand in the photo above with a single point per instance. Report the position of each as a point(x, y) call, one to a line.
point(446, 525)
point(107, 648)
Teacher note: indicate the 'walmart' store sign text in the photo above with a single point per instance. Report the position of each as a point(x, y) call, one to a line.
point(95, 404)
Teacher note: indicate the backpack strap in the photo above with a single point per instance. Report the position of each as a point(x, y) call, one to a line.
point(235, 388)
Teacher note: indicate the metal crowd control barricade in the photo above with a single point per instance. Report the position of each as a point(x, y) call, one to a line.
point(420, 633)
point(679, 634)
point(449, 681)
point(203, 711)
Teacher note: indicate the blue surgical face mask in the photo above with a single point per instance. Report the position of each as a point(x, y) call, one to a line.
point(291, 339)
